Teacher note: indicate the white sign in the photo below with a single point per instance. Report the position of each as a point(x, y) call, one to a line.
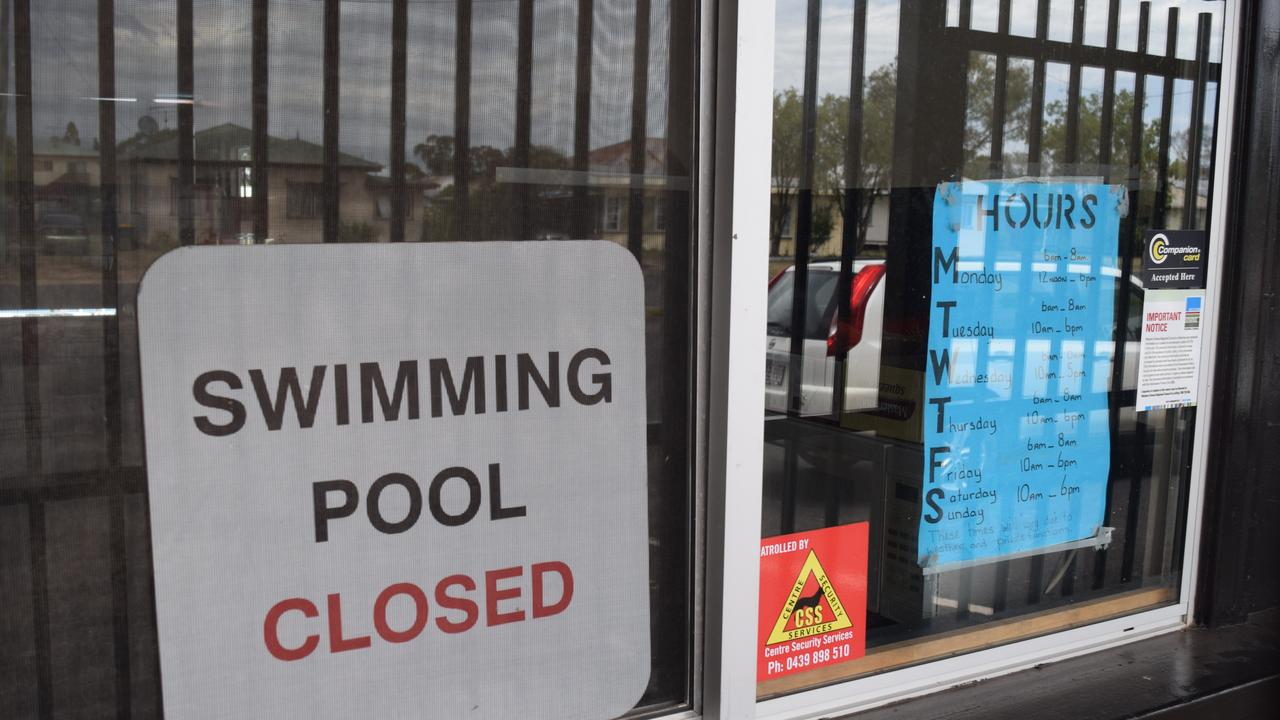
point(398, 480)
point(1169, 364)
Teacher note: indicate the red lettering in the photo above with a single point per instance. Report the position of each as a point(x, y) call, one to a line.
point(459, 611)
point(566, 581)
point(271, 636)
point(450, 602)
point(337, 643)
point(493, 596)
point(419, 609)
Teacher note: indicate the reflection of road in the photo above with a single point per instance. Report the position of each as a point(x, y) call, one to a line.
point(828, 472)
point(72, 380)
point(56, 274)
point(72, 383)
point(819, 475)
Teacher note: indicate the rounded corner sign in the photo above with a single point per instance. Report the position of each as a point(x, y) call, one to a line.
point(813, 599)
point(375, 472)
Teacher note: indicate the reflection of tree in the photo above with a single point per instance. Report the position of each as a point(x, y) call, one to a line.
point(71, 136)
point(492, 203)
point(436, 154)
point(829, 172)
point(1089, 133)
point(1088, 146)
point(356, 231)
point(878, 133)
point(787, 112)
point(1053, 143)
point(979, 107)
point(878, 102)
point(412, 172)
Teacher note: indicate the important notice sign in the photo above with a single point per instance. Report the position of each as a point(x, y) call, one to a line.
point(1016, 434)
point(398, 480)
point(813, 599)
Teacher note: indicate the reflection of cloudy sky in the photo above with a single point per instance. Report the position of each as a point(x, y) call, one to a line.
point(882, 32)
point(66, 69)
point(65, 62)
point(836, 43)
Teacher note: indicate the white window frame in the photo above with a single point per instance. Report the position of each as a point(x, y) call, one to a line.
point(741, 55)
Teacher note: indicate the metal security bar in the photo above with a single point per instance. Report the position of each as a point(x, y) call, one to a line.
point(639, 131)
point(522, 224)
point(186, 125)
point(332, 59)
point(462, 122)
point(399, 52)
point(579, 228)
point(261, 167)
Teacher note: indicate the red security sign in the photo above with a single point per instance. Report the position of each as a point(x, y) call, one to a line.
point(813, 599)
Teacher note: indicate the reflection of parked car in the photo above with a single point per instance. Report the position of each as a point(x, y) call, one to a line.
point(822, 334)
point(62, 233)
point(863, 338)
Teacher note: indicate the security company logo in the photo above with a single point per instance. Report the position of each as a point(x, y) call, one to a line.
point(803, 614)
point(813, 612)
point(1159, 248)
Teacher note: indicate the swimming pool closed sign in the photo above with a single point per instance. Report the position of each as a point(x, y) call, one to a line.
point(398, 480)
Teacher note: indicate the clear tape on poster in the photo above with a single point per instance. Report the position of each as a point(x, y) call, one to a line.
point(1098, 541)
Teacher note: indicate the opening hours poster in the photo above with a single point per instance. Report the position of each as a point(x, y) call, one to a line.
point(1017, 443)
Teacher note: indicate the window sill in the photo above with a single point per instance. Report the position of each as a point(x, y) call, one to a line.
point(1231, 671)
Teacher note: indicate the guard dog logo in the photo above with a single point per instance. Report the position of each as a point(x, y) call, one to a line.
point(813, 599)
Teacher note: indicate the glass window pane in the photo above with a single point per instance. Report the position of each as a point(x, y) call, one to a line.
point(384, 121)
point(954, 466)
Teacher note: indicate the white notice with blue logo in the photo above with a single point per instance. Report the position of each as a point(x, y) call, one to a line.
point(1016, 437)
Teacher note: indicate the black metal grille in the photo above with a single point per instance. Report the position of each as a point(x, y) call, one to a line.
point(932, 110)
point(118, 485)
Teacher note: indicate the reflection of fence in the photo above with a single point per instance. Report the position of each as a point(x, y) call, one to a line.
point(119, 486)
point(1150, 461)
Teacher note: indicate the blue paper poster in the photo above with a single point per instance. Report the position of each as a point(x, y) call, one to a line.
point(1017, 445)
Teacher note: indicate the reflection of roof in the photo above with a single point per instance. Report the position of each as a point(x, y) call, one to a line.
point(226, 142)
point(1177, 193)
point(68, 182)
point(617, 157)
point(44, 147)
point(381, 182)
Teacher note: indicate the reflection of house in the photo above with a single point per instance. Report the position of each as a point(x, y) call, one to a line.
point(65, 174)
point(828, 204)
point(1178, 203)
point(611, 174)
point(222, 202)
point(608, 182)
